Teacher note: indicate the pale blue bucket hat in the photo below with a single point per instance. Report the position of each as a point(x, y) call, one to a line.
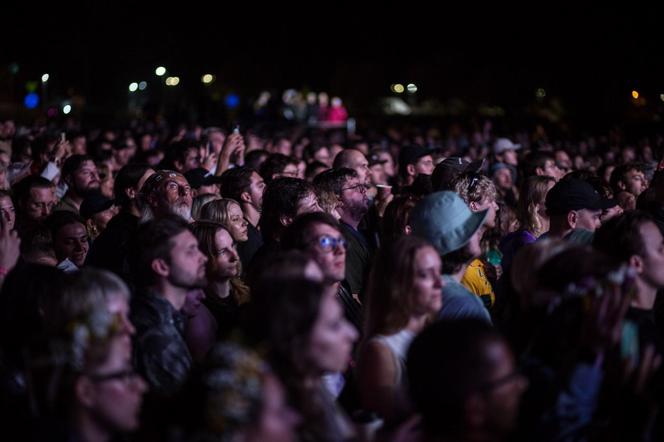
point(446, 221)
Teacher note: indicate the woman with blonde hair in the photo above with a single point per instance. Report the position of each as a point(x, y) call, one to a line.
point(532, 218)
point(228, 213)
point(199, 202)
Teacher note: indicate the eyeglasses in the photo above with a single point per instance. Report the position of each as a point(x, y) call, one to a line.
point(359, 187)
point(125, 376)
point(330, 243)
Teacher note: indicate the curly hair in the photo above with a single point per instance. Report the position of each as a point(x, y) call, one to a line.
point(475, 188)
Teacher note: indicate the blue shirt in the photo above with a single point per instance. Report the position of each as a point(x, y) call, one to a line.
point(460, 303)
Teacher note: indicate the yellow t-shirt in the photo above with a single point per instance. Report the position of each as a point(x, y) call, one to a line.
point(476, 281)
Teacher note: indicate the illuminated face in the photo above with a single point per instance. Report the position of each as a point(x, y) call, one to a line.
point(115, 392)
point(40, 203)
point(8, 212)
point(187, 263)
point(328, 249)
point(175, 197)
point(237, 224)
point(85, 179)
point(226, 259)
point(72, 242)
point(332, 338)
point(427, 285)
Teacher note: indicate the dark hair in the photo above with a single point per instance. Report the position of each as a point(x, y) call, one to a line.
point(255, 158)
point(60, 218)
point(128, 177)
point(453, 261)
point(290, 264)
point(178, 151)
point(390, 301)
point(447, 362)
point(534, 161)
point(236, 181)
point(619, 173)
point(275, 164)
point(73, 163)
point(23, 292)
point(282, 316)
point(333, 180)
point(620, 237)
point(295, 235)
point(572, 266)
point(154, 241)
point(396, 217)
point(22, 188)
point(281, 198)
point(312, 168)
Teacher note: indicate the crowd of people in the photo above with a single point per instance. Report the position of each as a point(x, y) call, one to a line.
point(305, 284)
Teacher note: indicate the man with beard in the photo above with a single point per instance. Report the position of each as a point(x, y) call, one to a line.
point(351, 192)
point(80, 174)
point(168, 193)
point(167, 264)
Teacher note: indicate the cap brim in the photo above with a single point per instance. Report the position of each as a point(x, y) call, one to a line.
point(475, 166)
point(472, 225)
point(609, 203)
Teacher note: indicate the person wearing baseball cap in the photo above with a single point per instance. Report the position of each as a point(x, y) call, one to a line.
point(203, 182)
point(505, 151)
point(573, 204)
point(450, 168)
point(414, 160)
point(446, 221)
point(97, 210)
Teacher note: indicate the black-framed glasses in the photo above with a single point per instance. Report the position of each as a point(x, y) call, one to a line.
point(359, 187)
point(329, 243)
point(125, 376)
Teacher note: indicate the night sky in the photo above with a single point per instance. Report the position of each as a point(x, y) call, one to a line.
point(592, 58)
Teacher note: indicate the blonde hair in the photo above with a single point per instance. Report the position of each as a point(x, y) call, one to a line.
point(475, 188)
point(218, 211)
point(199, 202)
point(533, 194)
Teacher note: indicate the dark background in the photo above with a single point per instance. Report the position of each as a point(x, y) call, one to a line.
point(589, 59)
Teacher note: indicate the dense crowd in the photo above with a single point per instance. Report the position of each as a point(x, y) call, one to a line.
point(408, 283)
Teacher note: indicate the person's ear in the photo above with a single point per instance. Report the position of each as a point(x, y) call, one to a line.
point(160, 267)
point(636, 262)
point(473, 206)
point(90, 225)
point(245, 197)
point(408, 229)
point(572, 218)
point(539, 171)
point(410, 169)
point(85, 392)
point(131, 193)
point(178, 165)
point(621, 185)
